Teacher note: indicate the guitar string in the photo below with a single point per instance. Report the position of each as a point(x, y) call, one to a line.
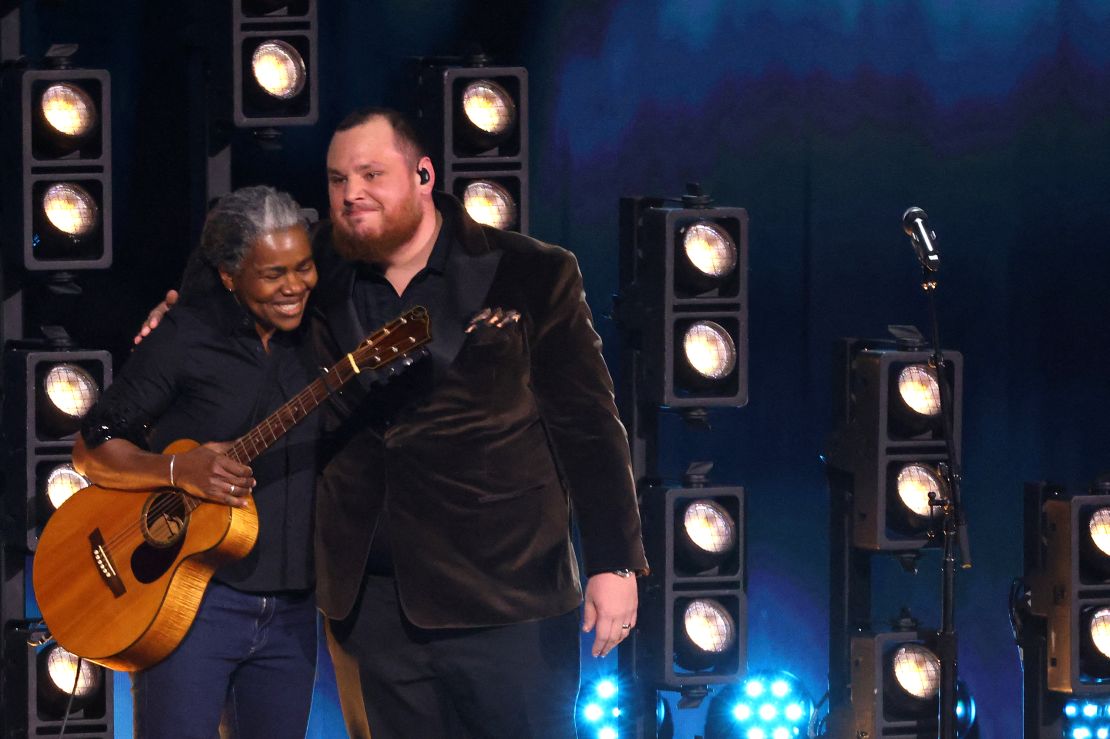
point(343, 371)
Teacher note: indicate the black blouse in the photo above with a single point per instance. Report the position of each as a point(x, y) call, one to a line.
point(204, 375)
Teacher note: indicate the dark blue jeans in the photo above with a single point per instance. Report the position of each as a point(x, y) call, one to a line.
point(254, 653)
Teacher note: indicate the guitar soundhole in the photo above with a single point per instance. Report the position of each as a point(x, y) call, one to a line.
point(165, 519)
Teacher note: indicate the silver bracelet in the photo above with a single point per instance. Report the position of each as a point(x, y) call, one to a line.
point(173, 458)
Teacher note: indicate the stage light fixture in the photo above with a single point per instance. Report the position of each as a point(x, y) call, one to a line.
point(37, 685)
point(274, 63)
point(895, 688)
point(67, 393)
point(278, 69)
point(489, 108)
point(885, 468)
point(708, 350)
point(489, 203)
point(474, 121)
point(684, 300)
point(1068, 572)
point(693, 606)
point(61, 673)
point(57, 147)
point(599, 708)
point(69, 111)
point(772, 703)
point(62, 482)
point(707, 629)
point(47, 393)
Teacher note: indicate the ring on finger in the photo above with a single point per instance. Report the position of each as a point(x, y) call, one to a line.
point(232, 490)
point(626, 626)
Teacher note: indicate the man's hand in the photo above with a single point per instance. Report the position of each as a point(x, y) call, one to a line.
point(611, 607)
point(208, 473)
point(156, 315)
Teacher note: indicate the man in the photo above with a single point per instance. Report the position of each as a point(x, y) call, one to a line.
point(455, 482)
point(443, 541)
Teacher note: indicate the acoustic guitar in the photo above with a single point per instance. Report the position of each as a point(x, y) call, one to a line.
point(119, 574)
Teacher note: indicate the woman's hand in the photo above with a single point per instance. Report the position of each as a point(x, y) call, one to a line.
point(208, 473)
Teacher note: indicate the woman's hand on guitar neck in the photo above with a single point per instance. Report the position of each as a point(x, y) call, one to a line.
point(206, 472)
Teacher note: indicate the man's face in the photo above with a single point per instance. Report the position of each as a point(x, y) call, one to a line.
point(373, 191)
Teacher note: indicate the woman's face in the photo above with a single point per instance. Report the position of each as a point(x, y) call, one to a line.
point(275, 279)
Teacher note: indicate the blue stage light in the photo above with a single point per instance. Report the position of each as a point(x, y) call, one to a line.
point(767, 705)
point(606, 689)
point(1090, 710)
point(599, 710)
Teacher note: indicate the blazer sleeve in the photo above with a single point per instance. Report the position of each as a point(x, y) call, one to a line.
point(574, 393)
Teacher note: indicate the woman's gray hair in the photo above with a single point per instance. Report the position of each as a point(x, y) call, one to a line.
point(242, 217)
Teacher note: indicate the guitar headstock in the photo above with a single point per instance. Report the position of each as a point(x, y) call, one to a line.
point(401, 338)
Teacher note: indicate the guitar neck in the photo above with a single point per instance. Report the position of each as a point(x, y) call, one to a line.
point(389, 343)
point(277, 424)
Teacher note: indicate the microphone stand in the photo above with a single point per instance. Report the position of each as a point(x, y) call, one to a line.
point(954, 525)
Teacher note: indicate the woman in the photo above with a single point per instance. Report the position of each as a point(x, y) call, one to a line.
point(220, 362)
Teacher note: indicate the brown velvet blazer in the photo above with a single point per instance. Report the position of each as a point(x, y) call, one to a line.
point(481, 474)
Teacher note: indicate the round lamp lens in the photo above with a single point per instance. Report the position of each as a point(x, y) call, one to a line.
point(1100, 631)
point(278, 69)
point(489, 203)
point(71, 390)
point(68, 109)
point(710, 249)
point(488, 106)
point(709, 526)
point(918, 386)
point(70, 209)
point(709, 350)
point(1099, 527)
point(917, 670)
point(62, 482)
point(62, 668)
point(709, 626)
point(915, 482)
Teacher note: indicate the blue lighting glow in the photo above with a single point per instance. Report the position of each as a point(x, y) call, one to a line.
point(606, 689)
point(766, 705)
point(1087, 719)
point(599, 708)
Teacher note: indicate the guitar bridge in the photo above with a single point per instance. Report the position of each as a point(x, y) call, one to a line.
point(104, 564)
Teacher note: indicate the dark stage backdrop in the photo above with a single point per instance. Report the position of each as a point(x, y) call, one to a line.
point(824, 119)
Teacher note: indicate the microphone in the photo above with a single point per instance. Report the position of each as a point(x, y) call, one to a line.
point(916, 225)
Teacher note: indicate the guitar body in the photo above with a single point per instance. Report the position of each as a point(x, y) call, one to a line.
point(119, 575)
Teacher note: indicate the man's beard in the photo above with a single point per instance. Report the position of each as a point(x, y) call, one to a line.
point(397, 230)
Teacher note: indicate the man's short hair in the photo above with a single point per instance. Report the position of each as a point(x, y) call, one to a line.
point(408, 141)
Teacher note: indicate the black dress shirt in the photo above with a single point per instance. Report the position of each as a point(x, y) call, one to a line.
point(204, 375)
